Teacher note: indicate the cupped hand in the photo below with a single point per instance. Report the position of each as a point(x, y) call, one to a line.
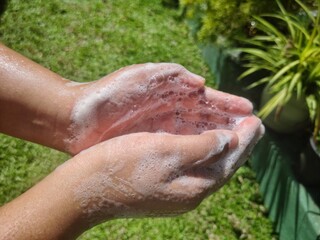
point(161, 97)
point(158, 174)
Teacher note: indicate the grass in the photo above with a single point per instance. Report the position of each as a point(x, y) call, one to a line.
point(84, 40)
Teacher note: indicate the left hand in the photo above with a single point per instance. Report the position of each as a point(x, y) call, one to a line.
point(150, 98)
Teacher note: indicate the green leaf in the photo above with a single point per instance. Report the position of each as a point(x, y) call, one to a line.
point(294, 81)
point(280, 84)
point(307, 10)
point(276, 101)
point(312, 106)
point(287, 19)
point(259, 53)
point(264, 38)
point(299, 89)
point(284, 70)
point(310, 53)
point(268, 28)
point(315, 72)
point(261, 66)
point(294, 23)
point(249, 72)
point(259, 82)
point(254, 42)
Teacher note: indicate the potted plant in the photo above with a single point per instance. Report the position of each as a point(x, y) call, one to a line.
point(291, 56)
point(308, 167)
point(217, 26)
point(215, 20)
point(290, 52)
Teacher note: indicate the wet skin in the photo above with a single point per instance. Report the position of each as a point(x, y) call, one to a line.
point(147, 140)
point(151, 98)
point(159, 98)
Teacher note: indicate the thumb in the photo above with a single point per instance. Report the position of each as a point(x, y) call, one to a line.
point(206, 148)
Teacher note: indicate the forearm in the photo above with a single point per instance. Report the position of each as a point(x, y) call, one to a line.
point(35, 103)
point(46, 211)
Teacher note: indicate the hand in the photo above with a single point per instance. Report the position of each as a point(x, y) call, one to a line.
point(159, 174)
point(141, 98)
point(135, 175)
point(150, 98)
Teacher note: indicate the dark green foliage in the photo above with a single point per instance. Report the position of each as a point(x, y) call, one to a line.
point(292, 58)
point(223, 21)
point(3, 5)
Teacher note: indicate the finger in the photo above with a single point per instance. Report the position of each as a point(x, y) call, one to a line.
point(199, 182)
point(191, 78)
point(175, 70)
point(205, 119)
point(203, 149)
point(178, 78)
point(228, 103)
point(162, 72)
point(249, 131)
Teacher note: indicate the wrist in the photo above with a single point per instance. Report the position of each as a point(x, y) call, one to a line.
point(56, 121)
point(88, 186)
point(61, 120)
point(52, 119)
point(90, 115)
point(35, 103)
point(47, 210)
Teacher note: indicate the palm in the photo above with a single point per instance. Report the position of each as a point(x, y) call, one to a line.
point(152, 98)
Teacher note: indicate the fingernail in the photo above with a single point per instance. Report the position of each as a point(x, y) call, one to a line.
point(230, 138)
point(195, 78)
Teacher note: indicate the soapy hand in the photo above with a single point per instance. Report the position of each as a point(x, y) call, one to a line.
point(170, 143)
point(159, 174)
point(197, 138)
point(150, 97)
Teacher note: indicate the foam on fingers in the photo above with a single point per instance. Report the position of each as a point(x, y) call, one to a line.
point(210, 147)
point(228, 137)
point(249, 131)
point(154, 98)
point(229, 103)
point(174, 172)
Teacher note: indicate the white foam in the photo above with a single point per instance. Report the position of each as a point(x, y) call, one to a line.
point(109, 192)
point(73, 83)
point(223, 169)
point(150, 169)
point(84, 114)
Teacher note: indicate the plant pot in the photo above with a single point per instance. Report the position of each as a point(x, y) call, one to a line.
point(293, 117)
point(307, 168)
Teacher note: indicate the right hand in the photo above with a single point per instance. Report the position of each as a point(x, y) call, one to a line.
point(158, 174)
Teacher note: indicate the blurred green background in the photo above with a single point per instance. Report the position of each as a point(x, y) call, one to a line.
point(84, 40)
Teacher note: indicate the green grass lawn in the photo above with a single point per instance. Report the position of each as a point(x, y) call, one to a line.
point(83, 40)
